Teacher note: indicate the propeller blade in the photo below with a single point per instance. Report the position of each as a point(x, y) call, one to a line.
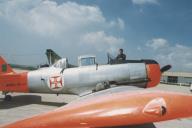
point(165, 68)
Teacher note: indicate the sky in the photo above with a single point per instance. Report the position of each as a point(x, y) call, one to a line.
point(145, 29)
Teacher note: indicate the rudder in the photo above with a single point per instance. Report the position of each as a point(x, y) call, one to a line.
point(4, 67)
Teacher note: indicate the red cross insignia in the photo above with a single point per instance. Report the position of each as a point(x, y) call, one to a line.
point(55, 82)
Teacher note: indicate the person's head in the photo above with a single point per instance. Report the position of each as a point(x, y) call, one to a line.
point(120, 51)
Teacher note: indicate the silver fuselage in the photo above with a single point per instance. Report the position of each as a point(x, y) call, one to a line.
point(80, 79)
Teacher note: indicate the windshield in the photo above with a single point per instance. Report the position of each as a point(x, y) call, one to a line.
point(87, 61)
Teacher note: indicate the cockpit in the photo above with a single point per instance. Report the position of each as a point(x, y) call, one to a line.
point(86, 60)
point(82, 61)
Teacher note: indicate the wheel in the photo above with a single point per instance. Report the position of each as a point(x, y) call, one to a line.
point(8, 98)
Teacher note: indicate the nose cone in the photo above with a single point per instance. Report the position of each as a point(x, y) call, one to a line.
point(153, 74)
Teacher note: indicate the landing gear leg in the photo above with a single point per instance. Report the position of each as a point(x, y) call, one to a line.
point(7, 97)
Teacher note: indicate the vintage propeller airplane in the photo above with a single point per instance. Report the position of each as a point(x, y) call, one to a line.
point(104, 105)
point(88, 77)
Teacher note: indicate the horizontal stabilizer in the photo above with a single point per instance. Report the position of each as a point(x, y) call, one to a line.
point(4, 67)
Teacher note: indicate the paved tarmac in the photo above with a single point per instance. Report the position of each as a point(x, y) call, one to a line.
point(27, 105)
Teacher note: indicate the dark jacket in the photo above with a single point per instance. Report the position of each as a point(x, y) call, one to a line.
point(121, 57)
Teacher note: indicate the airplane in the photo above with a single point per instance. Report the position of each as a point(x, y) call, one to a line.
point(127, 103)
point(87, 77)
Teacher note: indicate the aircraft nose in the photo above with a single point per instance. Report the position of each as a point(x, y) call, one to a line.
point(153, 74)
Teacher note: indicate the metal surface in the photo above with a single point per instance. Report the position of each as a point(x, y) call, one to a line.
point(58, 79)
point(86, 77)
point(25, 105)
point(115, 109)
point(37, 80)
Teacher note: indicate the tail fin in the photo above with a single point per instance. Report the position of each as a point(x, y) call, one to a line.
point(4, 67)
point(52, 56)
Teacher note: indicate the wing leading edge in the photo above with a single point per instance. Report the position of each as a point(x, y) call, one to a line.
point(117, 108)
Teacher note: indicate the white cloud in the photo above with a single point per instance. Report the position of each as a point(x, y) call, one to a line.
point(157, 43)
point(119, 23)
point(67, 23)
point(139, 48)
point(178, 55)
point(49, 18)
point(142, 2)
point(101, 40)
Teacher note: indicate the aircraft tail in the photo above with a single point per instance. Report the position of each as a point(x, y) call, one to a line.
point(4, 67)
point(52, 56)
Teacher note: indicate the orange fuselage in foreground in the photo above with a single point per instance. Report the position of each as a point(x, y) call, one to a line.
point(125, 108)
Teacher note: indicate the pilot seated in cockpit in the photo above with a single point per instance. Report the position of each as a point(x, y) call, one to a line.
point(121, 56)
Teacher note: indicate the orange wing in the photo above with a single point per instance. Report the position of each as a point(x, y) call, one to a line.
point(114, 109)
